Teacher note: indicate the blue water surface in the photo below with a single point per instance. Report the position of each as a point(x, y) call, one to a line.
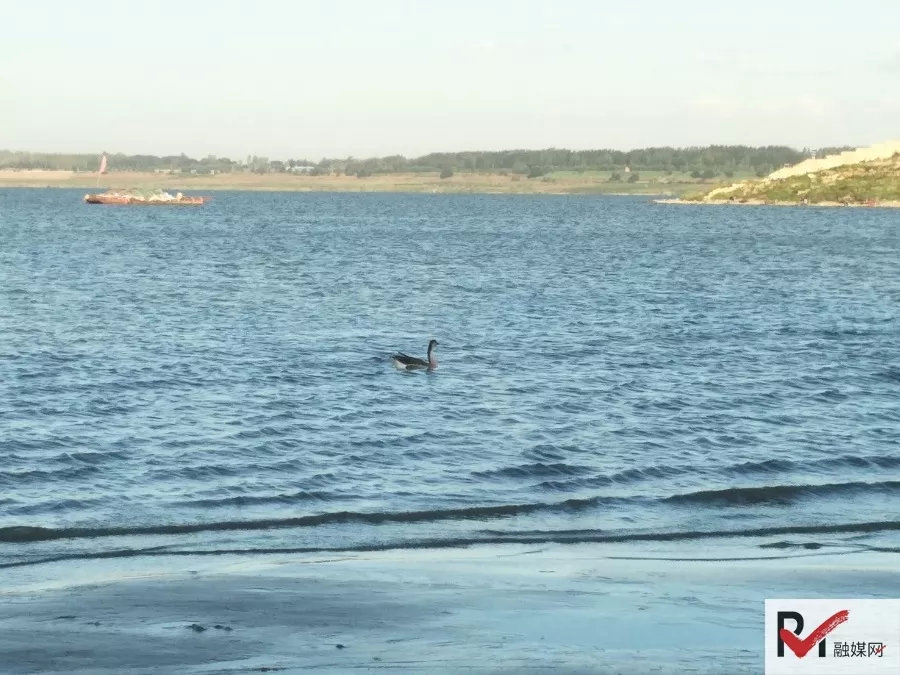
point(218, 377)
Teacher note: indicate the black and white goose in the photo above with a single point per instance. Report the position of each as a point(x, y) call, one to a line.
point(404, 362)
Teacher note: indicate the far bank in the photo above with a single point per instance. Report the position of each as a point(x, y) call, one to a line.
point(562, 182)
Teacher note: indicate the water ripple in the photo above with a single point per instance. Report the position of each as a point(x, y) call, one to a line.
point(603, 365)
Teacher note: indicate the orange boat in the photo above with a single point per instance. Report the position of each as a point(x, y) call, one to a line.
point(138, 199)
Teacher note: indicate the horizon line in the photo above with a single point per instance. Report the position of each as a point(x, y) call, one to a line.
point(450, 152)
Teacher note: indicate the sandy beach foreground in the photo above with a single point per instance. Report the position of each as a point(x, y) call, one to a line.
point(513, 608)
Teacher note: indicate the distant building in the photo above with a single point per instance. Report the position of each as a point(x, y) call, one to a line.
point(302, 168)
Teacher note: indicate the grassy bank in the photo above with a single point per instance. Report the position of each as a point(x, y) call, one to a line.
point(872, 182)
point(561, 182)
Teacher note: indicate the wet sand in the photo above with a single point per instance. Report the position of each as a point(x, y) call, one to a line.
point(511, 608)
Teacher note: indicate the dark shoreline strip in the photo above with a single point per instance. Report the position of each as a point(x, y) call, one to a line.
point(772, 494)
point(461, 542)
point(25, 533)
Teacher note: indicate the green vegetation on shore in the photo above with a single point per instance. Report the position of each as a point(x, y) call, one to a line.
point(426, 182)
point(715, 162)
point(861, 183)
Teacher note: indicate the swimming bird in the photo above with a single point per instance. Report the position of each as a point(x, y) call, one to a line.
point(404, 362)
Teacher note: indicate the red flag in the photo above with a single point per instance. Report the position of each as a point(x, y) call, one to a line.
point(103, 163)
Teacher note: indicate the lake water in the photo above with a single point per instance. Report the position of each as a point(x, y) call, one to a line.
point(214, 379)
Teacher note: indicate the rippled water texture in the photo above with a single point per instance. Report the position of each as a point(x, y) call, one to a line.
point(219, 377)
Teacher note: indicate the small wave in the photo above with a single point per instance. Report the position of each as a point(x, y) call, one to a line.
point(880, 461)
point(891, 374)
point(39, 444)
point(194, 472)
point(546, 452)
point(260, 432)
point(665, 471)
point(786, 465)
point(55, 506)
point(776, 494)
point(569, 485)
point(58, 477)
point(18, 534)
point(533, 470)
point(155, 384)
point(811, 545)
point(655, 471)
point(90, 457)
point(489, 537)
point(830, 396)
point(250, 500)
point(764, 466)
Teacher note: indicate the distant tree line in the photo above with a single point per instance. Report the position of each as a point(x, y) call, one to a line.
point(700, 162)
point(717, 159)
point(116, 162)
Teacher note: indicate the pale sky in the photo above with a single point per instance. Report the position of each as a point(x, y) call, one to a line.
point(291, 79)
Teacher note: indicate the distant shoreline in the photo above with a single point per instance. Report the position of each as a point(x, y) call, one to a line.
point(459, 183)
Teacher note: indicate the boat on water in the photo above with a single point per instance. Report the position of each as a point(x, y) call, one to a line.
point(157, 198)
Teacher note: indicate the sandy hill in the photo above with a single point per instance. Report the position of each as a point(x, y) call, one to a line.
point(862, 176)
point(874, 152)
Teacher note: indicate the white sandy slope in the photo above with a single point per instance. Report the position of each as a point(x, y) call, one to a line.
point(808, 166)
point(873, 152)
